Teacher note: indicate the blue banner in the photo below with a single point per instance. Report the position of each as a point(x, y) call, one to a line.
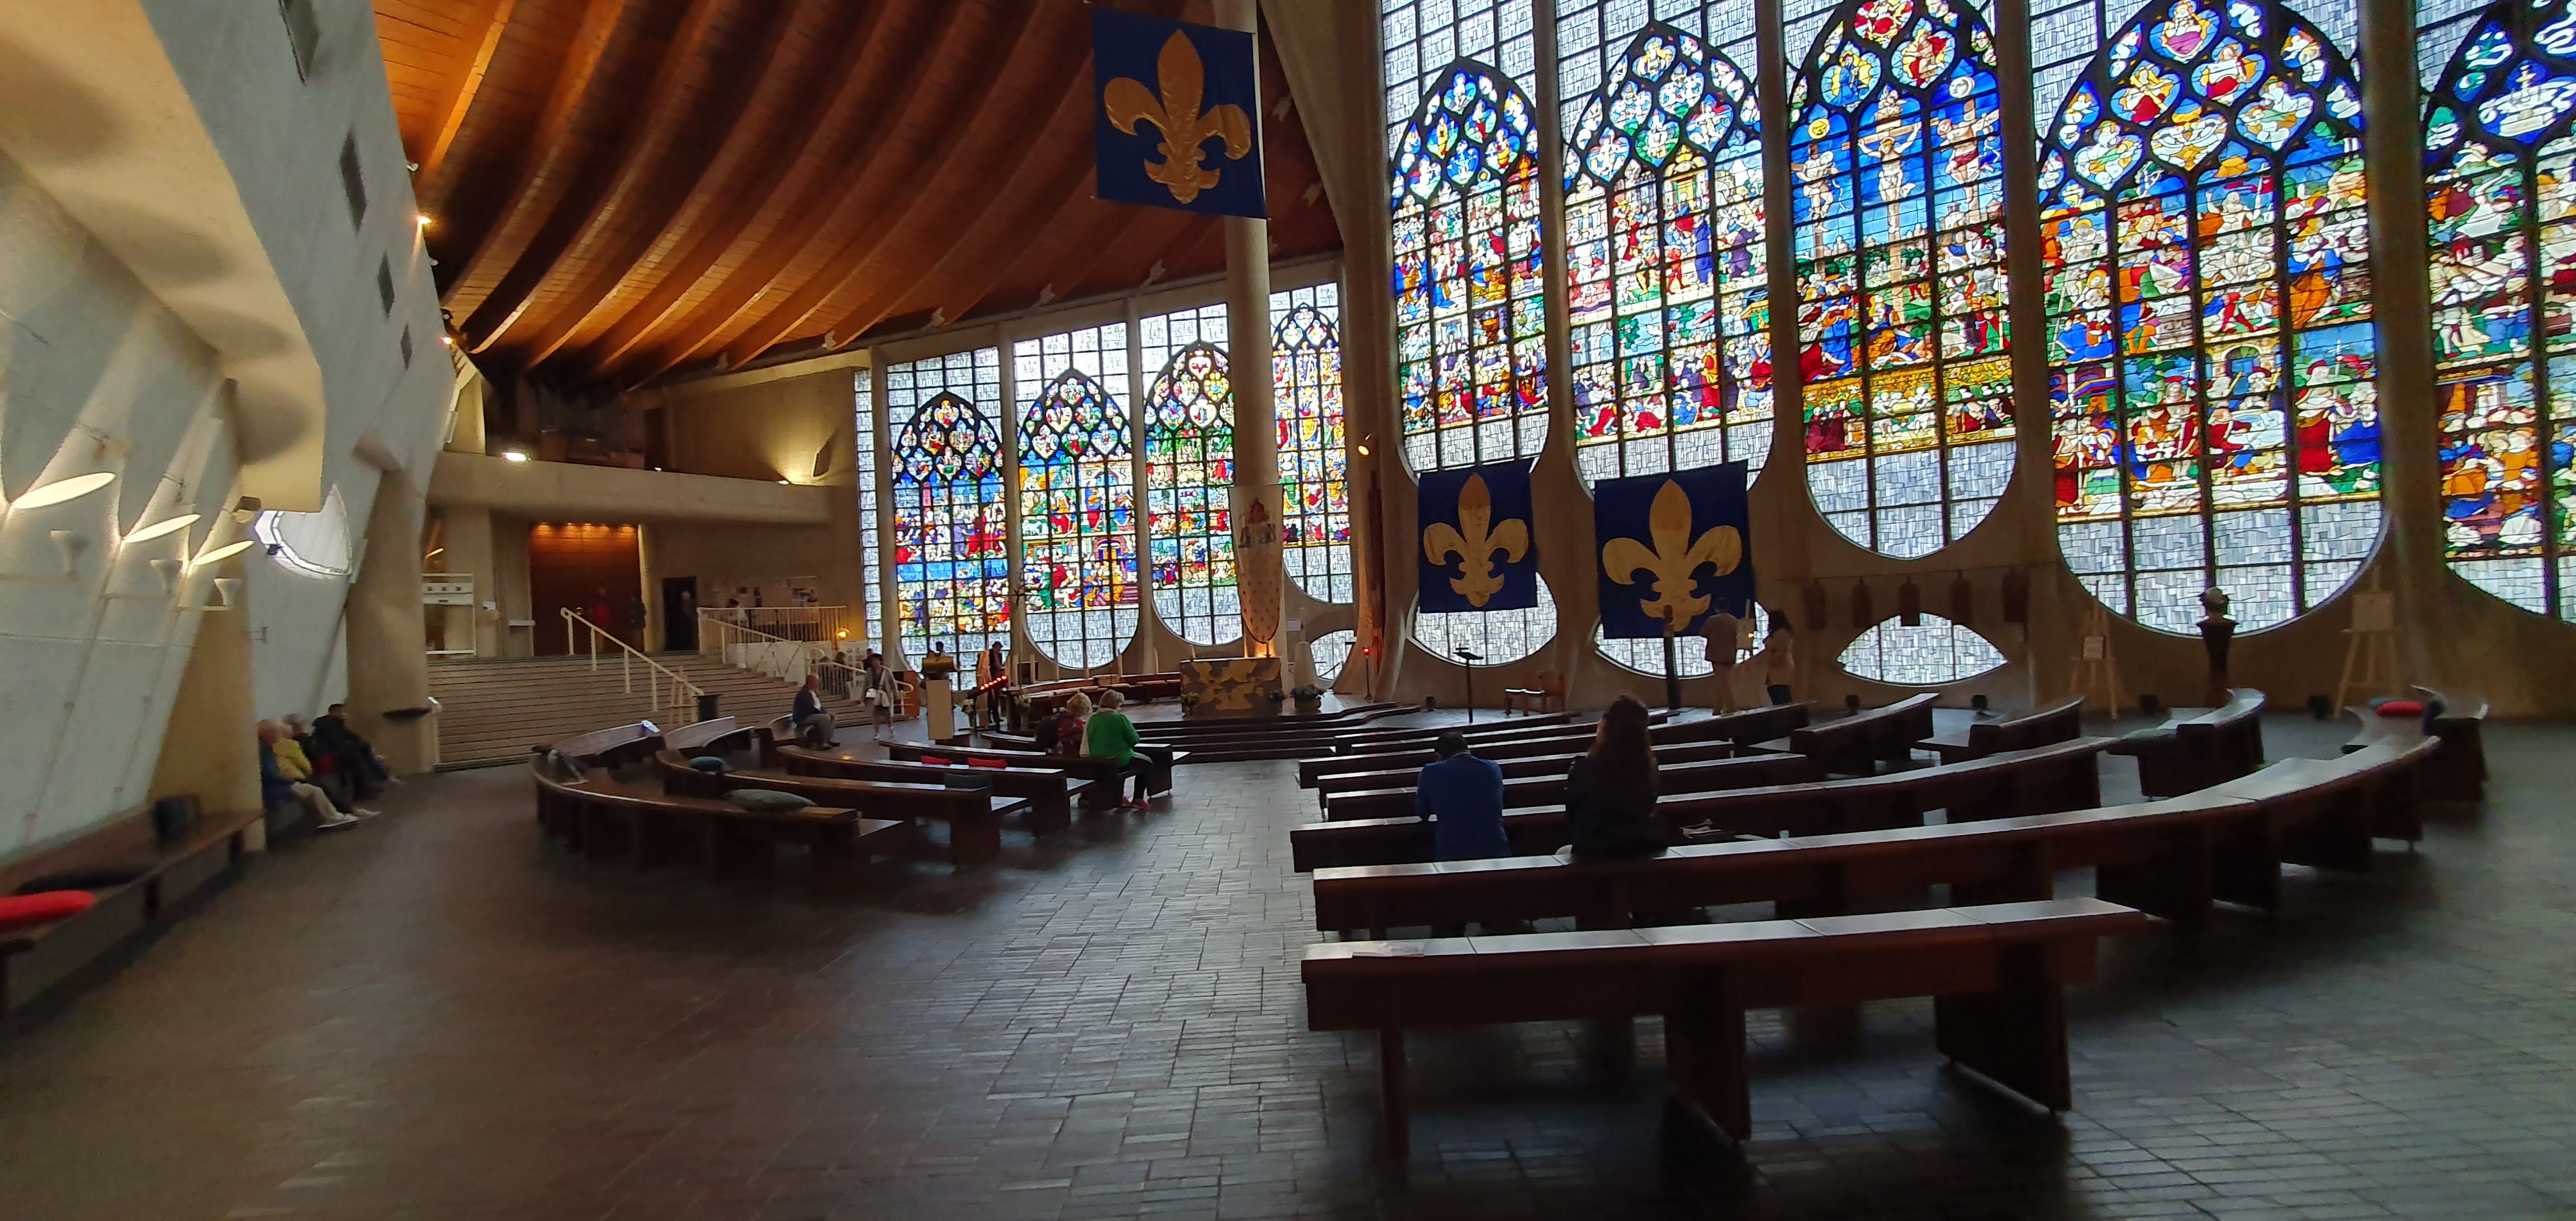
point(1673, 548)
point(1180, 114)
point(1478, 553)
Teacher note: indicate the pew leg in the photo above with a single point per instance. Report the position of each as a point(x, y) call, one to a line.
point(973, 841)
point(2027, 880)
point(2246, 868)
point(2014, 1035)
point(1704, 1056)
point(1397, 1138)
point(2177, 886)
point(2339, 840)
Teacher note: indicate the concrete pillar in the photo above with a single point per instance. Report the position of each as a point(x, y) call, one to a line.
point(210, 746)
point(1140, 471)
point(469, 551)
point(388, 664)
point(1257, 569)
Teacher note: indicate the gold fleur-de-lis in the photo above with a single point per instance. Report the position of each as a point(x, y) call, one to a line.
point(1177, 115)
point(1674, 557)
point(1474, 540)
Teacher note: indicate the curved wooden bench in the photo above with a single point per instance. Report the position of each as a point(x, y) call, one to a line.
point(2458, 772)
point(1049, 791)
point(613, 747)
point(1757, 725)
point(1857, 744)
point(2044, 780)
point(1159, 760)
point(708, 737)
point(974, 816)
point(1996, 975)
point(2171, 858)
point(601, 819)
point(2038, 727)
point(2199, 747)
point(1402, 776)
point(163, 874)
point(1672, 777)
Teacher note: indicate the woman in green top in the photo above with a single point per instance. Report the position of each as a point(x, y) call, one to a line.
point(1113, 736)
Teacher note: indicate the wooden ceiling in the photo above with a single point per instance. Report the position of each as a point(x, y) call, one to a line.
point(623, 188)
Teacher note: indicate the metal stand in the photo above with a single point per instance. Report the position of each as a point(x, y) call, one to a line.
point(1471, 659)
point(1672, 672)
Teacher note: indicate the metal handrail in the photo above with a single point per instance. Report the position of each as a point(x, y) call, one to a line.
point(716, 632)
point(684, 693)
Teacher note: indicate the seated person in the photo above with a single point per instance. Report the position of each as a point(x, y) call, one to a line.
point(277, 786)
point(1112, 736)
point(1610, 790)
point(813, 722)
point(1061, 734)
point(358, 758)
point(1462, 796)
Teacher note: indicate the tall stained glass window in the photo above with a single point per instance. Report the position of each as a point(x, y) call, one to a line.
point(1189, 474)
point(1903, 342)
point(951, 536)
point(1671, 311)
point(1078, 599)
point(863, 435)
point(2502, 180)
point(1470, 319)
point(2208, 297)
point(1306, 393)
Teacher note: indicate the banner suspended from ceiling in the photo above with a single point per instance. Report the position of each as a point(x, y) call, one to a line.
point(1478, 553)
point(1179, 123)
point(1673, 548)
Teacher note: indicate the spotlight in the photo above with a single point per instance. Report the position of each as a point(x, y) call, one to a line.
point(220, 554)
point(161, 527)
point(514, 455)
point(61, 490)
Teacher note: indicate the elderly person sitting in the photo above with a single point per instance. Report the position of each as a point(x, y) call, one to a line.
point(278, 785)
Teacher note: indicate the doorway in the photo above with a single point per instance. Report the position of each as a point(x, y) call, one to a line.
point(596, 571)
point(680, 614)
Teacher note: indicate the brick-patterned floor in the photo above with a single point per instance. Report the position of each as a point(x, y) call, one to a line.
point(430, 1017)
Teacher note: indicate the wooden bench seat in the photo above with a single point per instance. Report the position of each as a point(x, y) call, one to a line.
point(2198, 747)
point(601, 819)
point(1049, 791)
point(1996, 973)
point(1673, 777)
point(974, 816)
point(1740, 728)
point(1164, 755)
point(2458, 772)
point(1857, 744)
point(161, 875)
point(1091, 780)
point(2038, 727)
point(708, 737)
point(1402, 776)
point(1356, 741)
point(2043, 780)
point(614, 747)
point(2163, 857)
point(1158, 762)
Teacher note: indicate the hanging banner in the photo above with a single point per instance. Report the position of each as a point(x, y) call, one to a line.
point(1179, 124)
point(1254, 514)
point(1477, 550)
point(1673, 547)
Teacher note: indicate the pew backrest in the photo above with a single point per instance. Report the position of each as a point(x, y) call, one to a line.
point(1859, 742)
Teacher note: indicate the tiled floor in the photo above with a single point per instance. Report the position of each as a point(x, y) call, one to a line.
point(433, 1017)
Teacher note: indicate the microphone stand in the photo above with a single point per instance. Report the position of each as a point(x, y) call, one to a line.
point(1471, 659)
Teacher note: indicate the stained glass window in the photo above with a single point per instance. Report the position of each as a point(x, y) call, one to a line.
point(863, 434)
point(2208, 296)
point(951, 536)
point(1470, 319)
point(1189, 475)
point(1903, 341)
point(1078, 587)
point(1930, 654)
point(1670, 307)
point(2502, 182)
point(1331, 651)
point(1306, 389)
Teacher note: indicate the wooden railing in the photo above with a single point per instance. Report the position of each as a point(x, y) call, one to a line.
point(661, 679)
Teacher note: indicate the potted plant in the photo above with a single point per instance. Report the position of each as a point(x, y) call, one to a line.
point(1310, 699)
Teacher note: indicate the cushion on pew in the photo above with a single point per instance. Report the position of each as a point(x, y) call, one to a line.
point(938, 760)
point(2398, 709)
point(766, 801)
point(707, 763)
point(103, 877)
point(24, 911)
point(995, 764)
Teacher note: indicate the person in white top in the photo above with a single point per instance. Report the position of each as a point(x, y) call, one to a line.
point(1725, 636)
point(1779, 659)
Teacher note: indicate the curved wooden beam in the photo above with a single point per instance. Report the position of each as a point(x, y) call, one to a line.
point(577, 215)
point(432, 157)
point(798, 199)
point(731, 304)
point(773, 71)
point(545, 147)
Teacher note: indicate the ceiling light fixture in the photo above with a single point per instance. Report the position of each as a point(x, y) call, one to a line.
point(514, 455)
point(161, 527)
point(424, 220)
point(61, 490)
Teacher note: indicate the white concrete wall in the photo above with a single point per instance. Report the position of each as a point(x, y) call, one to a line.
point(99, 373)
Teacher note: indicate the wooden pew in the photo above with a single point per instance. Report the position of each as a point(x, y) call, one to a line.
point(1997, 975)
point(1158, 771)
point(1402, 776)
point(154, 878)
point(974, 816)
point(1163, 755)
point(2199, 747)
point(1363, 740)
point(2458, 772)
point(708, 737)
point(1093, 780)
point(614, 747)
point(601, 818)
point(1672, 777)
point(1857, 744)
point(1050, 791)
point(2038, 727)
point(2042, 780)
point(1758, 725)
point(2162, 857)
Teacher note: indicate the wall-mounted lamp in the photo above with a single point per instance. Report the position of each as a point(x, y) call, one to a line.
point(70, 546)
point(220, 554)
point(61, 490)
point(145, 534)
point(227, 594)
point(168, 571)
point(514, 455)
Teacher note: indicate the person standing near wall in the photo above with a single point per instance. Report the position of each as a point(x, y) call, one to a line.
point(1779, 659)
point(1724, 634)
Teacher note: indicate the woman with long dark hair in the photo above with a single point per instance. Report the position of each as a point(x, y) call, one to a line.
point(1610, 790)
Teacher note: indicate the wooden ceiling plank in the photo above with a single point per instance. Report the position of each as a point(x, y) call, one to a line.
point(431, 157)
point(811, 156)
point(546, 144)
point(982, 137)
point(767, 76)
point(640, 145)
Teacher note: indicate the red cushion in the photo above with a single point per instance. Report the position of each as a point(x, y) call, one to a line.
point(972, 761)
point(939, 760)
point(44, 907)
point(2401, 708)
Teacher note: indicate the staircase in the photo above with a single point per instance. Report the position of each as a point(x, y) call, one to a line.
point(494, 711)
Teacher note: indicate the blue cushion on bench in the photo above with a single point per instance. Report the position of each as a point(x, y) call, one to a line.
point(707, 763)
point(766, 801)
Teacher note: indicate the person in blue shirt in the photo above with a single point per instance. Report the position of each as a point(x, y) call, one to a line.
point(1463, 796)
point(813, 722)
